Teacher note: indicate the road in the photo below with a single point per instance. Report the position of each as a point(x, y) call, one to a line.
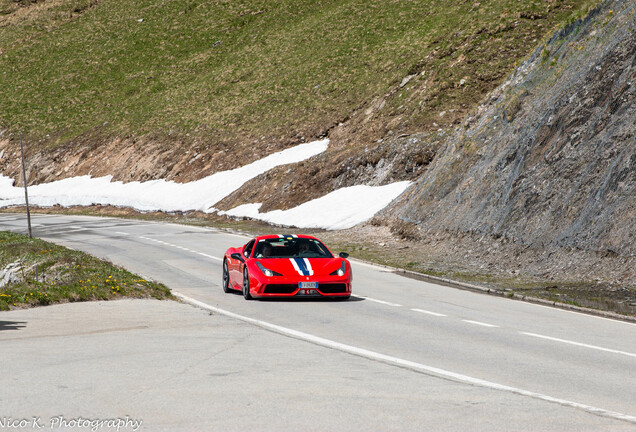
point(414, 355)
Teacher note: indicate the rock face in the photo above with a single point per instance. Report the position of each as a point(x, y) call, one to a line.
point(11, 273)
point(550, 158)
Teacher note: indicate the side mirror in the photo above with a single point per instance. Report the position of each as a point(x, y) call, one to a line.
point(343, 255)
point(238, 256)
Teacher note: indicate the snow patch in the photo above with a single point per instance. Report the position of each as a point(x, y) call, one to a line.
point(340, 209)
point(153, 195)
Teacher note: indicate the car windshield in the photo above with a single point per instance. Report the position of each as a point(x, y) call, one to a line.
point(291, 247)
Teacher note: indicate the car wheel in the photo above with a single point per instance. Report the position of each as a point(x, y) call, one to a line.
point(246, 285)
point(226, 277)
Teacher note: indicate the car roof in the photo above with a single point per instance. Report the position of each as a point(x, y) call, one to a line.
point(273, 236)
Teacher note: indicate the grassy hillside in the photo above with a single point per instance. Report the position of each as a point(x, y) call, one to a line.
point(41, 273)
point(249, 68)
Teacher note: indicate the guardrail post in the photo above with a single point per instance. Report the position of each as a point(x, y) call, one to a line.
point(26, 193)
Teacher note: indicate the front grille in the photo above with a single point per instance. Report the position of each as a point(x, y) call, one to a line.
point(280, 288)
point(336, 288)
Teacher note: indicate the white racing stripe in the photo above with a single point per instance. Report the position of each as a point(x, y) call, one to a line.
point(293, 261)
point(308, 265)
point(579, 344)
point(407, 364)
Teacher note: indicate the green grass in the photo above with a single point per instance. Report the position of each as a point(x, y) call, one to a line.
point(222, 69)
point(54, 274)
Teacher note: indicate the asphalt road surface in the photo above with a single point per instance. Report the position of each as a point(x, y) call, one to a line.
point(402, 354)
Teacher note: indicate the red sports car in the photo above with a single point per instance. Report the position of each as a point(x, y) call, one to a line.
point(286, 266)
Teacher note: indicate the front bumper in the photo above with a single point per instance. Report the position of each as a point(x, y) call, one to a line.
point(322, 289)
point(325, 288)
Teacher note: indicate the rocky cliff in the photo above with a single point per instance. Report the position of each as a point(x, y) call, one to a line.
point(549, 160)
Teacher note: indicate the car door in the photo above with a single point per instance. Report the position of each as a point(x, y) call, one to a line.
point(236, 267)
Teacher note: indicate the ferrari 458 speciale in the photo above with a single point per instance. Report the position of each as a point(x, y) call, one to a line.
point(286, 266)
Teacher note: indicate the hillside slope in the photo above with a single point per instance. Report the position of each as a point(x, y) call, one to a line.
point(533, 175)
point(546, 166)
point(179, 90)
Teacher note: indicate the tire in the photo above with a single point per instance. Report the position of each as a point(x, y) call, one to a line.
point(226, 278)
point(246, 285)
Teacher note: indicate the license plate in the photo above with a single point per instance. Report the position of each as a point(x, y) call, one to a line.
point(307, 285)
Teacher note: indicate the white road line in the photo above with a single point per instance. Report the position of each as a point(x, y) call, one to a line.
point(121, 233)
point(479, 323)
point(373, 266)
point(429, 312)
point(209, 256)
point(379, 301)
point(613, 320)
point(397, 272)
point(61, 230)
point(243, 236)
point(182, 248)
point(579, 344)
point(182, 227)
point(407, 364)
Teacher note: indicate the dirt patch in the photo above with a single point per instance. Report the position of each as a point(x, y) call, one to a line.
point(130, 158)
point(379, 163)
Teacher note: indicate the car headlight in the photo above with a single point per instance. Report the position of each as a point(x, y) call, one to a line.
point(267, 272)
point(341, 271)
